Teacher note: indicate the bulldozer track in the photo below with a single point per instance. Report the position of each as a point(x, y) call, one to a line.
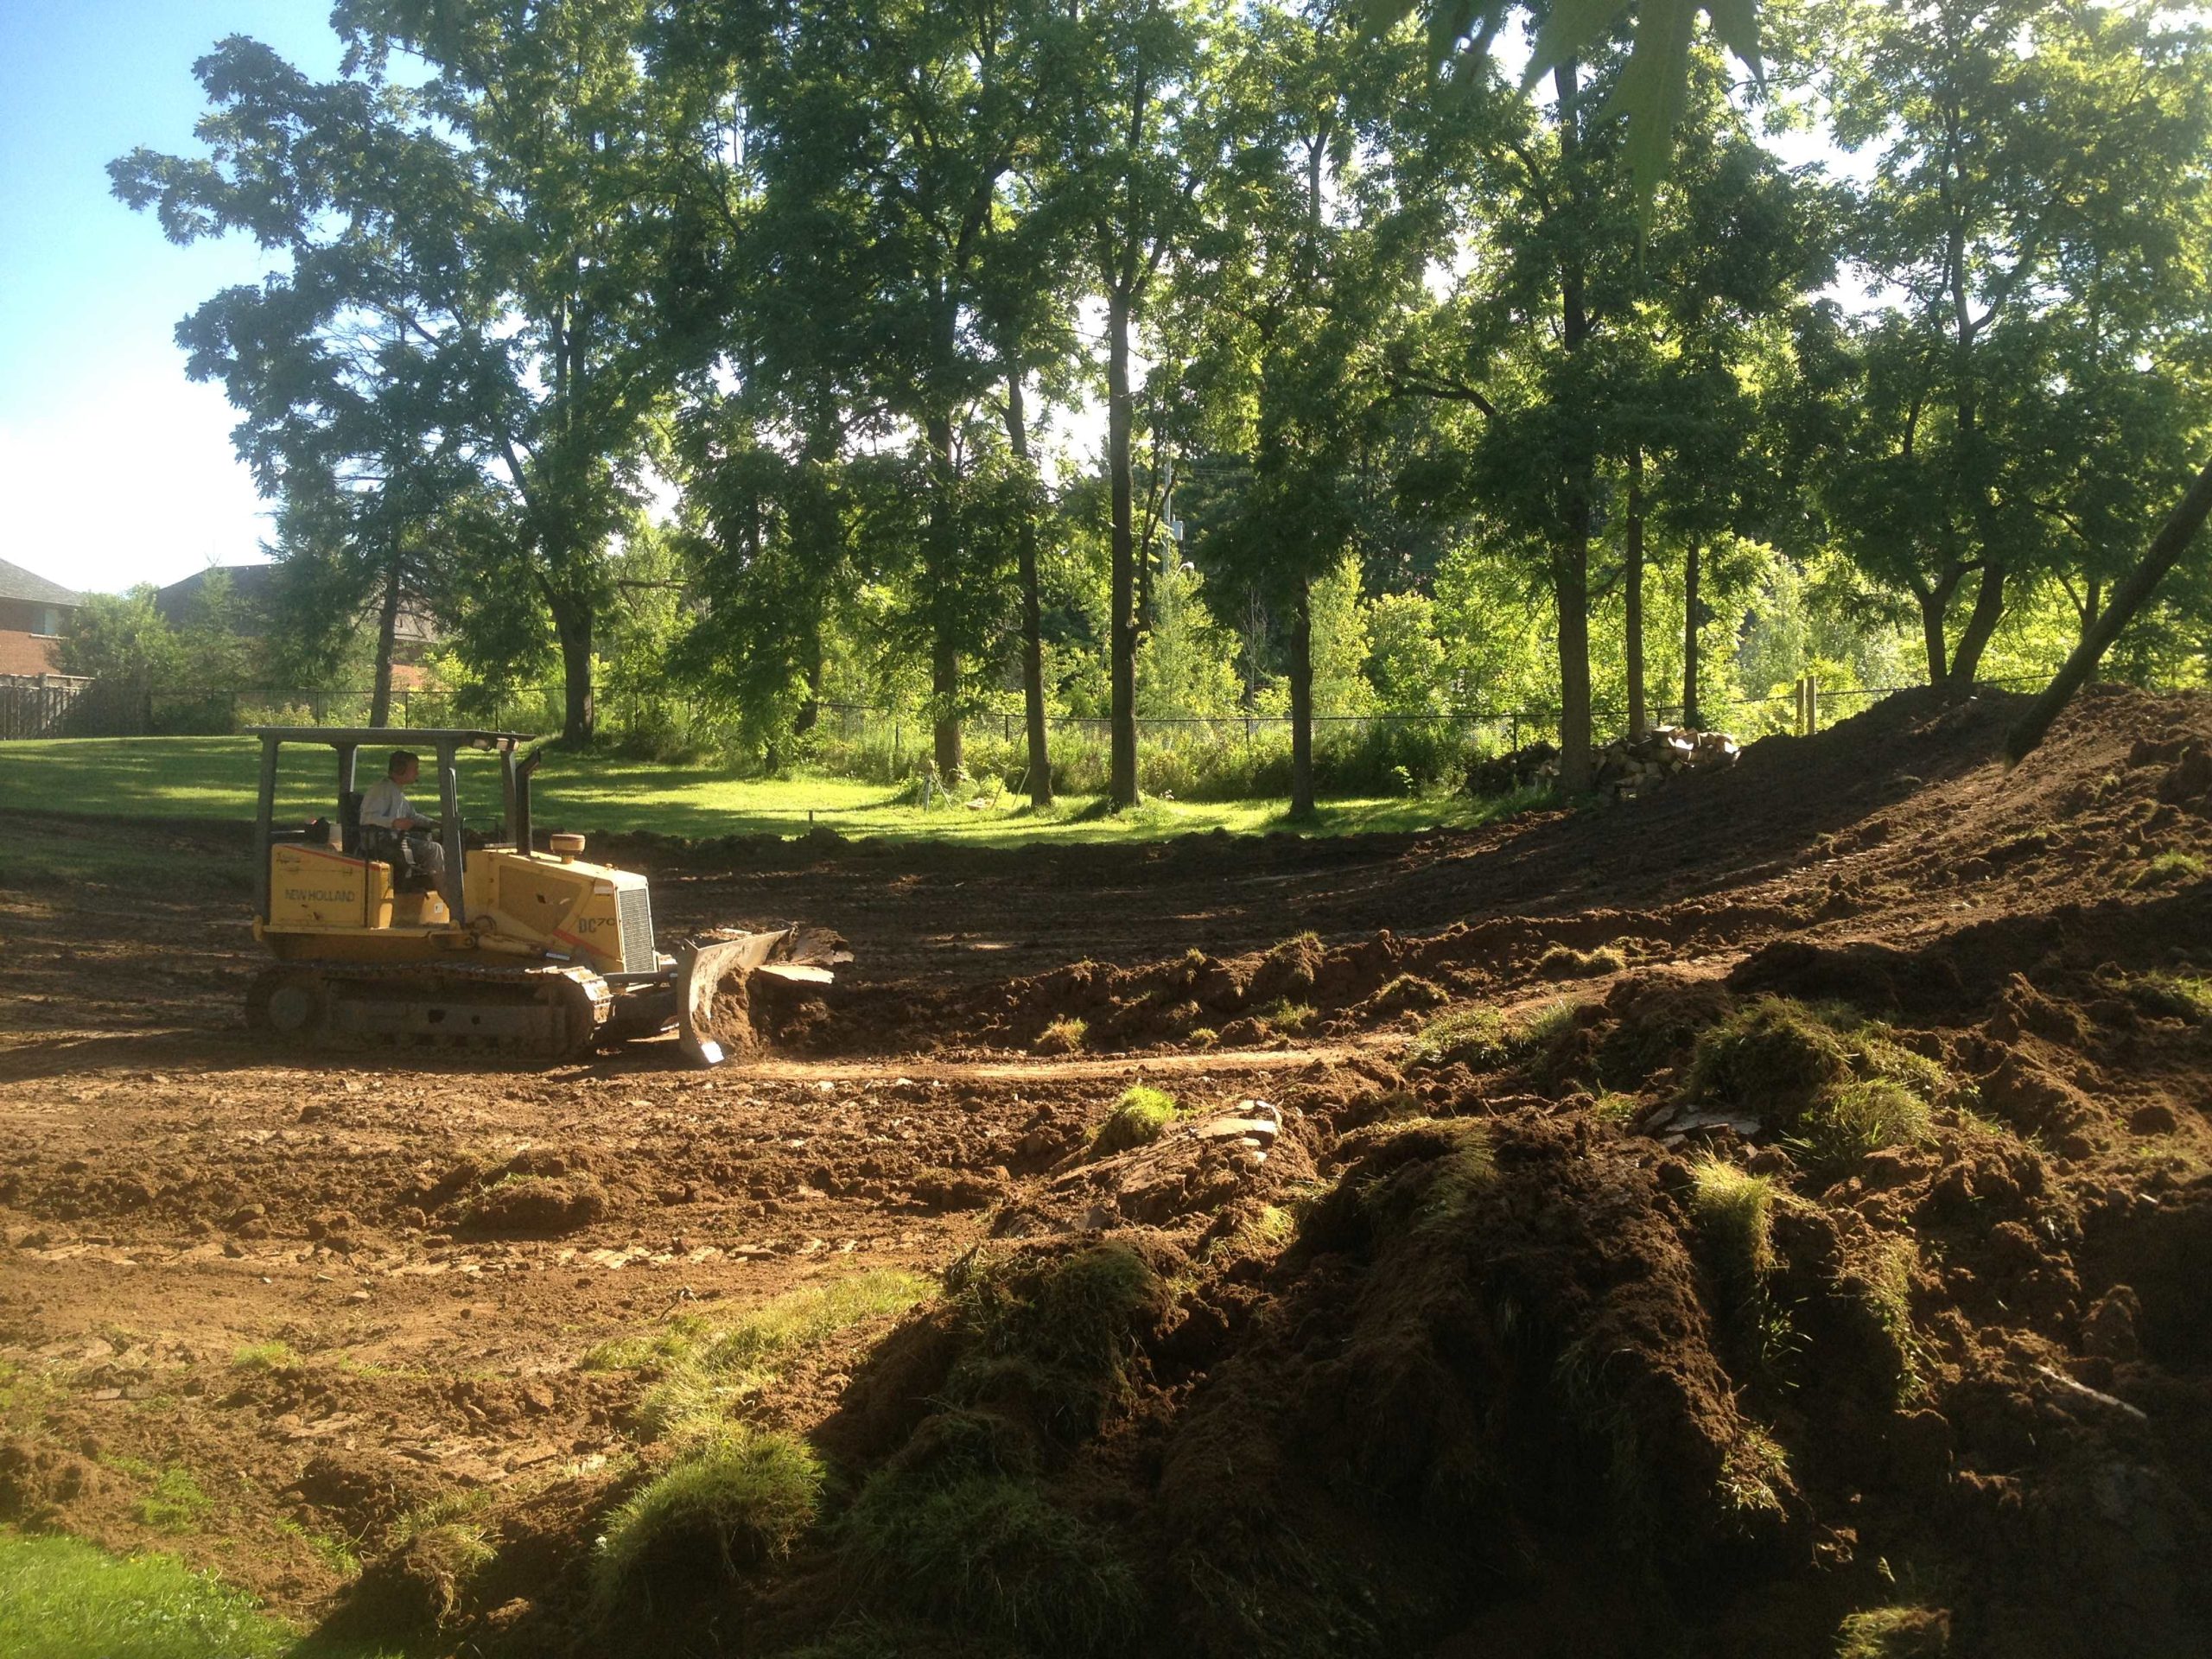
point(553, 1012)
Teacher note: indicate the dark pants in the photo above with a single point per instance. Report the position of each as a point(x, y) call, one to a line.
point(412, 854)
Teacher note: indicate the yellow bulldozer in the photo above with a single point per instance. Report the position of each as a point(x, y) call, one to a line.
point(509, 947)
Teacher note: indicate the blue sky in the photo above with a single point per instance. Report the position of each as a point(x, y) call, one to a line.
point(114, 467)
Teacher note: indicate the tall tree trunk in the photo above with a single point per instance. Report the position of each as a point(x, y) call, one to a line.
point(1571, 555)
point(1301, 701)
point(1691, 716)
point(2129, 595)
point(1988, 610)
point(944, 645)
point(1632, 586)
point(1121, 785)
point(809, 711)
point(387, 633)
point(1571, 585)
point(1935, 607)
point(1032, 624)
point(573, 623)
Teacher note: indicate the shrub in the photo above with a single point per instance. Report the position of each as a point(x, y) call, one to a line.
point(742, 1494)
point(1140, 1118)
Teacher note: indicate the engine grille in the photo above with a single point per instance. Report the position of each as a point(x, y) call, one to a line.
point(634, 911)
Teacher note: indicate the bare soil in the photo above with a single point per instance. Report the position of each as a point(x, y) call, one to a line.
point(1411, 1392)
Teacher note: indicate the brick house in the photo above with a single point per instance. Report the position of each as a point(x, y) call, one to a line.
point(33, 615)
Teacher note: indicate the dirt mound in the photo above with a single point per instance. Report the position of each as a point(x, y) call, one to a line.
point(1766, 1217)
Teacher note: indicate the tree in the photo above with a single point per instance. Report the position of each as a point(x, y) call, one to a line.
point(883, 141)
point(2008, 135)
point(1139, 144)
point(1569, 334)
point(348, 392)
point(1320, 244)
point(548, 120)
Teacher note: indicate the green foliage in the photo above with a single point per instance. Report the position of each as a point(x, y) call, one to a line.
point(1141, 1116)
point(733, 1498)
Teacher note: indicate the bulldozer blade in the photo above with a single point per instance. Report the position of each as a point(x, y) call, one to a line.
point(713, 1001)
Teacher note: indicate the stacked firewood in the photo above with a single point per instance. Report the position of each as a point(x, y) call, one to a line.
point(1501, 774)
point(1630, 764)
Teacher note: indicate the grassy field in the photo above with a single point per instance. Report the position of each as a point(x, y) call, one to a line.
point(63, 1599)
point(216, 777)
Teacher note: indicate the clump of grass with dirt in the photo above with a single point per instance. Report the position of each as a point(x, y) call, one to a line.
point(176, 1503)
point(698, 1367)
point(2168, 869)
point(1894, 1633)
point(957, 1527)
point(992, 1555)
point(1482, 1037)
point(265, 1357)
point(2175, 996)
point(1063, 1036)
point(736, 1496)
point(1053, 1342)
point(1734, 1212)
point(1285, 1016)
point(1837, 1085)
point(1565, 962)
point(433, 1556)
point(1475, 1037)
point(1138, 1118)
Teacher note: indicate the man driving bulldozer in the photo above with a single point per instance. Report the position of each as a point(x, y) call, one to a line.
point(390, 828)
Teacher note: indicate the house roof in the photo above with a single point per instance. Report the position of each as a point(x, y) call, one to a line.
point(16, 582)
point(253, 586)
point(249, 582)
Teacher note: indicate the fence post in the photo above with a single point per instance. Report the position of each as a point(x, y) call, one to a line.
point(1812, 704)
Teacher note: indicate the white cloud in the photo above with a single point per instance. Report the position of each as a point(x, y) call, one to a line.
point(127, 481)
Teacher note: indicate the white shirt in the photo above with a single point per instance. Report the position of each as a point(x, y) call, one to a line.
point(385, 803)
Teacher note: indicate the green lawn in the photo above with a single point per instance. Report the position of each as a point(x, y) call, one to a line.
point(63, 1599)
point(216, 777)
